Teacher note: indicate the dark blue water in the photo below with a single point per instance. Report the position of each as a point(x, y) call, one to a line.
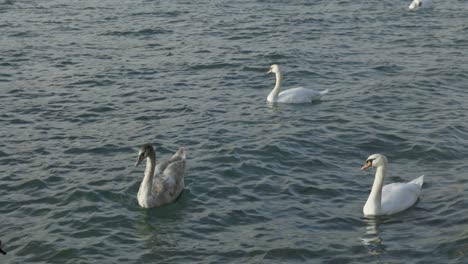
point(84, 83)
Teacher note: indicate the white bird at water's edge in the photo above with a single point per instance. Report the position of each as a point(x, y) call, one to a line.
point(293, 96)
point(162, 183)
point(416, 4)
point(391, 198)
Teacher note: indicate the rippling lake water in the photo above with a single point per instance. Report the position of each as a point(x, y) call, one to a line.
point(84, 83)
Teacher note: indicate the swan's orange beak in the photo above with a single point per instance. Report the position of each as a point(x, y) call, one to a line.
point(141, 157)
point(269, 71)
point(367, 165)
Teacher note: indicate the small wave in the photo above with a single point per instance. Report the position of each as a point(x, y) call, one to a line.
point(143, 33)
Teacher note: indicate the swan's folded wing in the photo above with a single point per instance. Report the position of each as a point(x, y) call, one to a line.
point(175, 169)
point(180, 154)
point(397, 197)
point(173, 178)
point(173, 174)
point(159, 169)
point(298, 95)
point(162, 166)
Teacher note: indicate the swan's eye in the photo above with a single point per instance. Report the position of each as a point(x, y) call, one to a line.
point(370, 160)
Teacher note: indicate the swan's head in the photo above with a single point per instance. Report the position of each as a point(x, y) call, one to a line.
point(273, 69)
point(144, 152)
point(415, 4)
point(375, 160)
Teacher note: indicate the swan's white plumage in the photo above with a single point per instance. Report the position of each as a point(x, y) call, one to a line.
point(391, 198)
point(416, 4)
point(397, 197)
point(300, 95)
point(294, 95)
point(162, 183)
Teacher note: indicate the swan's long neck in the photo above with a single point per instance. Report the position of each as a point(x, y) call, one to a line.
point(147, 183)
point(275, 92)
point(374, 201)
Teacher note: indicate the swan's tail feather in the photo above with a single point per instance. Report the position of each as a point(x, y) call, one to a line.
point(180, 153)
point(324, 92)
point(419, 181)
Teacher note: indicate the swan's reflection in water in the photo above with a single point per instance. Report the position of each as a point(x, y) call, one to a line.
point(371, 239)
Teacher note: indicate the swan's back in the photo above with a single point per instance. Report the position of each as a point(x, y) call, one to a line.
point(397, 197)
point(300, 95)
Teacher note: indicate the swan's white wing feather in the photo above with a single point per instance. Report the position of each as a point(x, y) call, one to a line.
point(299, 95)
point(397, 197)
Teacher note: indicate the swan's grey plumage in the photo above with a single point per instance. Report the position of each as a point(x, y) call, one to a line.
point(162, 183)
point(294, 95)
point(391, 198)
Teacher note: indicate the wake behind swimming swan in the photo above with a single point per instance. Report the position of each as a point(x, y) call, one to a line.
point(162, 183)
point(391, 198)
point(292, 96)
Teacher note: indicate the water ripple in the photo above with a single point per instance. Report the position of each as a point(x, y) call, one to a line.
point(84, 85)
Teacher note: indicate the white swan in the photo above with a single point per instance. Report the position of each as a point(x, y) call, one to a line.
point(293, 96)
point(163, 183)
point(419, 4)
point(392, 198)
